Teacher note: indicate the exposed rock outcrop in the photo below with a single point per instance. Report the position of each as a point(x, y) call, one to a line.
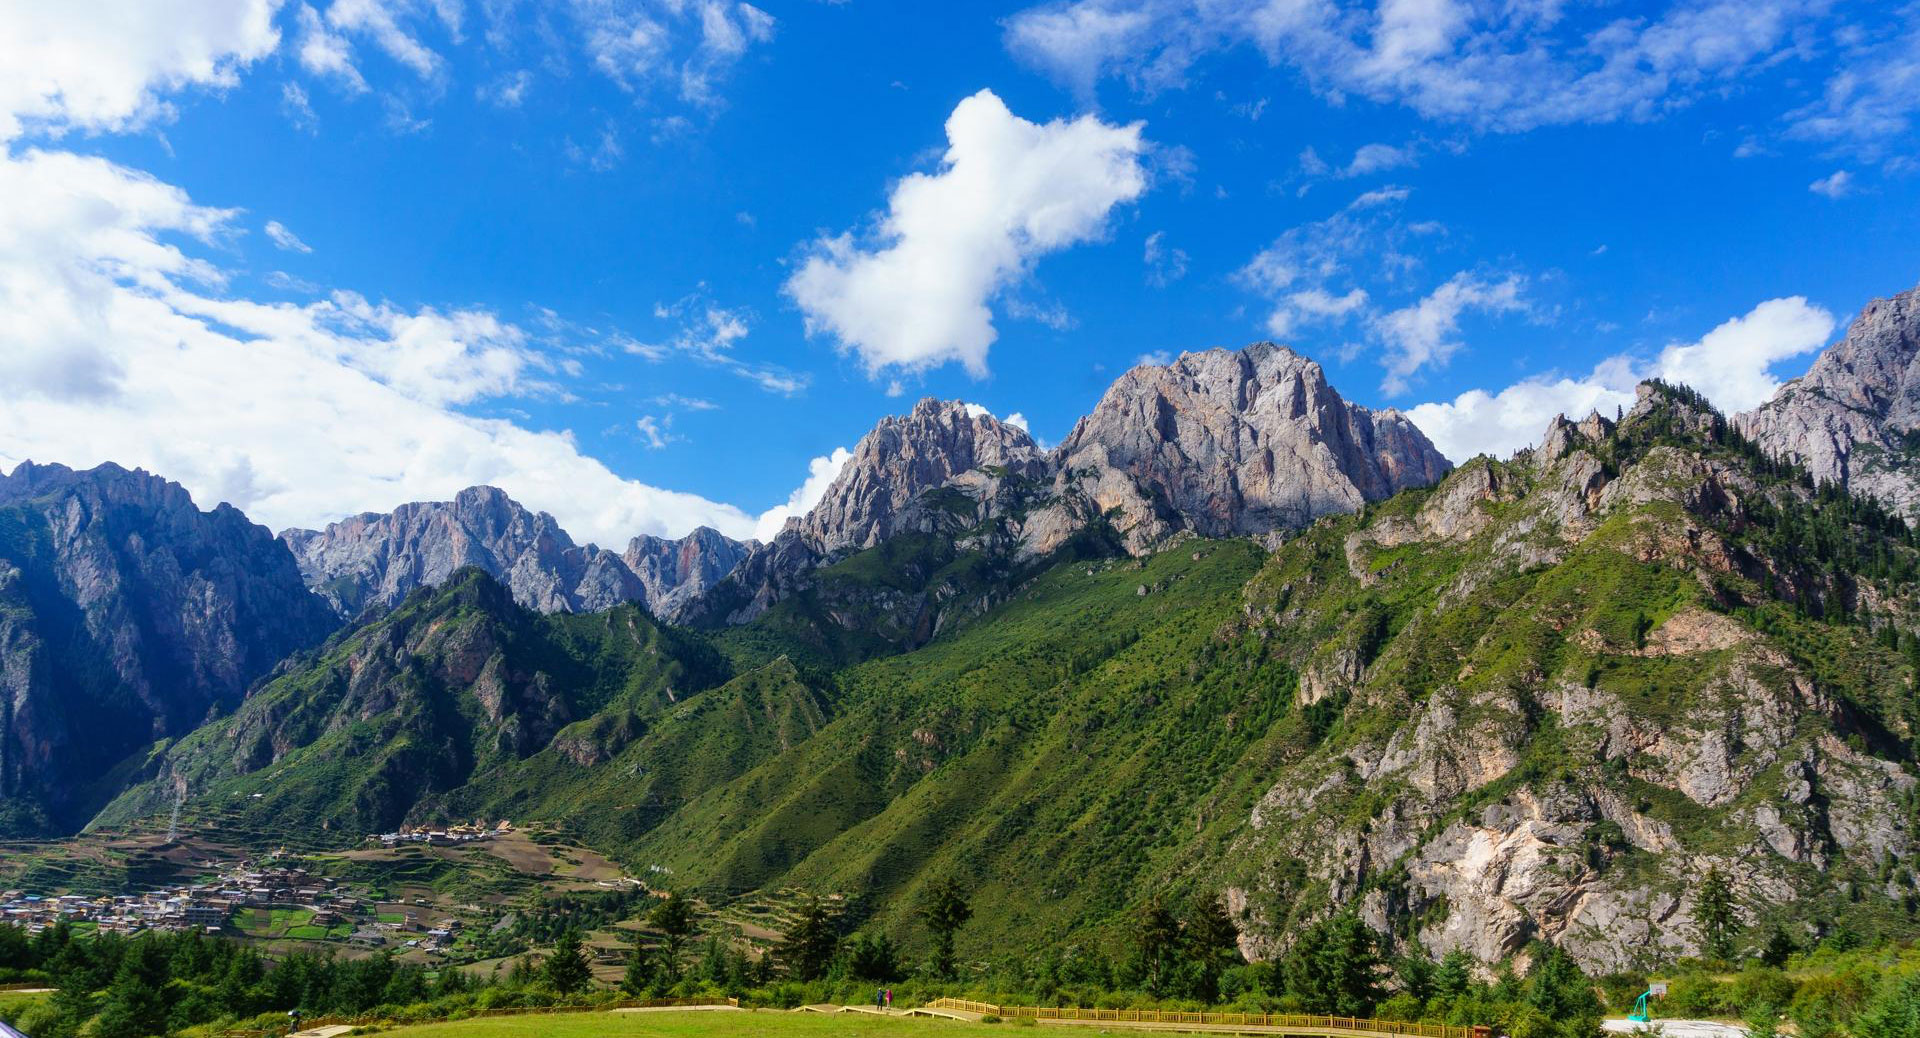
point(373, 561)
point(1218, 443)
point(1853, 416)
point(675, 572)
point(127, 615)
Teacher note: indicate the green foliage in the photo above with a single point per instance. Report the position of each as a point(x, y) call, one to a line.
point(567, 970)
point(1334, 967)
point(812, 943)
point(944, 907)
point(1713, 909)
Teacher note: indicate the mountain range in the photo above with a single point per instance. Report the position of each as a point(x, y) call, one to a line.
point(1234, 633)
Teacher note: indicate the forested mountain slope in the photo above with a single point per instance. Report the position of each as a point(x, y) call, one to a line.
point(1541, 699)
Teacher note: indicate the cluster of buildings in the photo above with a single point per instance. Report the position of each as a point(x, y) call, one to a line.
point(453, 834)
point(205, 905)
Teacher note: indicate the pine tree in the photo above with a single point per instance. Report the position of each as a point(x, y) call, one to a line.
point(1713, 910)
point(136, 1002)
point(946, 910)
point(1212, 944)
point(567, 969)
point(641, 972)
point(811, 944)
point(1334, 967)
point(674, 918)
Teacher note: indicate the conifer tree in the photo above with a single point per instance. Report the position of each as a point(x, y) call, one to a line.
point(567, 969)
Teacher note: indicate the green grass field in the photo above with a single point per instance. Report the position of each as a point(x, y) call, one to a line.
point(744, 1024)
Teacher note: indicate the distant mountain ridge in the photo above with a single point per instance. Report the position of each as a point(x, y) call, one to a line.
point(374, 560)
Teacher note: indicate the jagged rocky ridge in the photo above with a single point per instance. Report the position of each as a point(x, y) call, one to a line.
point(373, 560)
point(1539, 699)
point(127, 615)
point(1562, 688)
point(1854, 417)
point(1218, 443)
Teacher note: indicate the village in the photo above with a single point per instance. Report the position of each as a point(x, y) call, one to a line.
point(275, 898)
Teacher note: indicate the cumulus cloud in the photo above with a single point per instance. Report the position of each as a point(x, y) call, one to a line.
point(821, 472)
point(1503, 67)
point(108, 67)
point(1732, 365)
point(1007, 191)
point(117, 344)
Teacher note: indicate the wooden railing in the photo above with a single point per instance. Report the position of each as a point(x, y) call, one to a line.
point(1331, 1025)
point(627, 1003)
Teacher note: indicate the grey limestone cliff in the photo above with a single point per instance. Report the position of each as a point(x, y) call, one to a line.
point(127, 615)
point(1854, 416)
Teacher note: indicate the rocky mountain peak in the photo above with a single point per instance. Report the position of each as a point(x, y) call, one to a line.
point(127, 614)
point(1230, 442)
point(1848, 419)
point(904, 457)
point(675, 572)
point(374, 561)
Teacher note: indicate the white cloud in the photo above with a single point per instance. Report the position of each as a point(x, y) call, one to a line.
point(1007, 192)
point(1164, 265)
point(1870, 99)
point(1373, 158)
point(1732, 365)
point(1426, 333)
point(382, 21)
point(1505, 66)
point(1018, 421)
point(821, 472)
point(691, 44)
point(284, 239)
point(1314, 303)
point(654, 431)
point(104, 65)
point(1155, 359)
point(1836, 185)
point(708, 333)
point(323, 52)
point(117, 345)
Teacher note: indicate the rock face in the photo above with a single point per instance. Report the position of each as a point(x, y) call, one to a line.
point(373, 561)
point(1227, 443)
point(1221, 443)
point(127, 615)
point(1579, 716)
point(903, 458)
point(675, 572)
point(1852, 418)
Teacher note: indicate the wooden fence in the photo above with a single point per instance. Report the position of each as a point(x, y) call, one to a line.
point(1328, 1025)
point(599, 1007)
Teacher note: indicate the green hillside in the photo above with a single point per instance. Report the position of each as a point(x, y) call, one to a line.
point(1538, 700)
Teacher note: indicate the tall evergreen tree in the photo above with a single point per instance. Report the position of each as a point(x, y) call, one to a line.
point(567, 969)
point(674, 918)
point(1334, 967)
point(1714, 911)
point(945, 909)
point(136, 1001)
point(811, 944)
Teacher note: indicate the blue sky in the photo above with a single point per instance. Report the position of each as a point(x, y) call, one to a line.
point(648, 263)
